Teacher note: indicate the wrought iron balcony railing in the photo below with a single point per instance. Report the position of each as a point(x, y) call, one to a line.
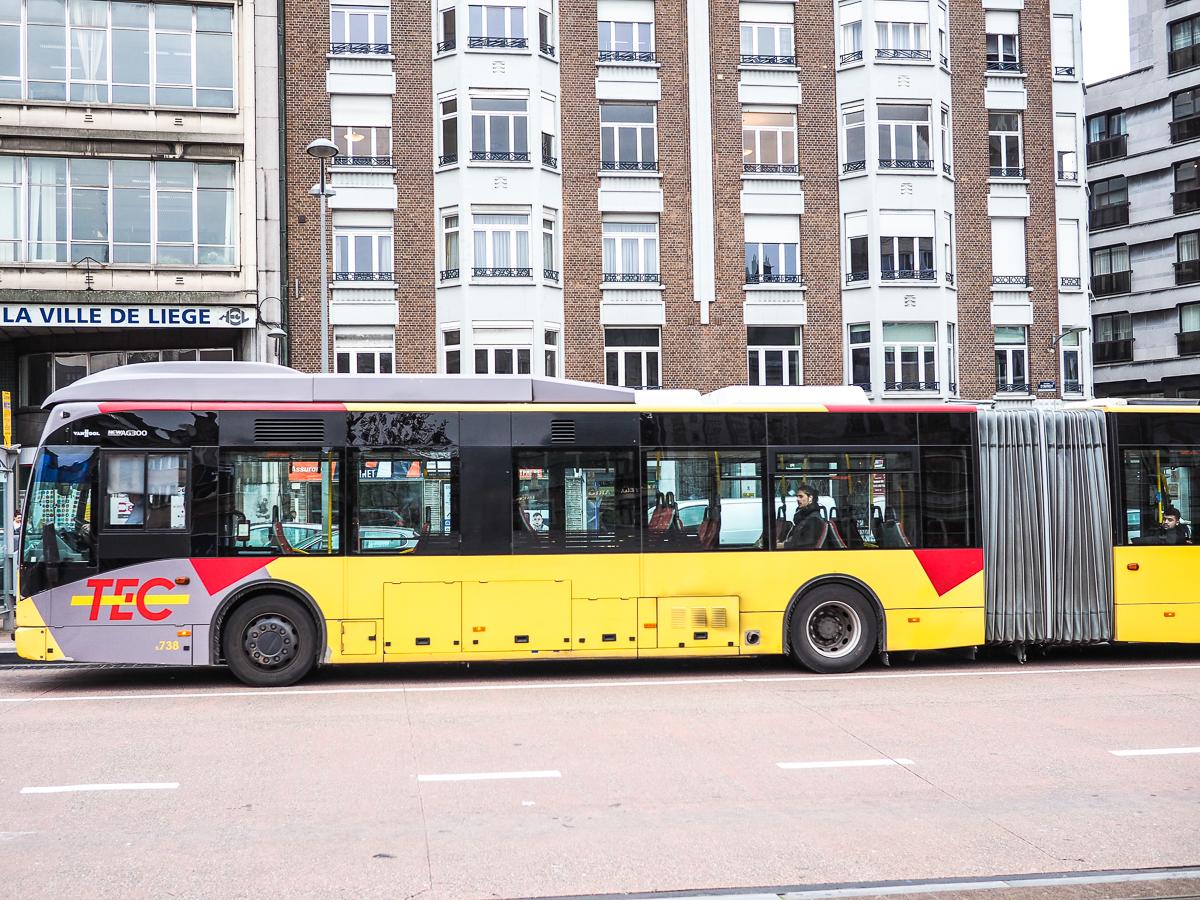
point(853, 277)
point(889, 53)
point(446, 46)
point(1111, 283)
point(547, 49)
point(774, 278)
point(1072, 386)
point(448, 274)
point(623, 165)
point(910, 385)
point(1013, 387)
point(1019, 280)
point(1115, 147)
point(358, 47)
point(498, 156)
point(1067, 175)
point(998, 65)
point(476, 42)
point(361, 161)
point(909, 275)
point(1186, 128)
point(949, 278)
point(364, 276)
point(645, 56)
point(865, 385)
point(501, 272)
point(770, 169)
point(1067, 71)
point(448, 159)
point(550, 162)
point(1006, 172)
point(631, 277)
point(906, 163)
point(944, 60)
point(550, 274)
point(1111, 215)
point(766, 59)
point(852, 56)
point(1118, 351)
point(859, 165)
point(1070, 281)
point(946, 168)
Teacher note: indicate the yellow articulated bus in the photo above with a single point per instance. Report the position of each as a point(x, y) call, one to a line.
point(333, 519)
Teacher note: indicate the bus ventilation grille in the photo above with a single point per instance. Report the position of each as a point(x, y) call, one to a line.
point(562, 431)
point(289, 431)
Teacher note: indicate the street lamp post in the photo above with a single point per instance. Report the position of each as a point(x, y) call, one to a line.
point(323, 150)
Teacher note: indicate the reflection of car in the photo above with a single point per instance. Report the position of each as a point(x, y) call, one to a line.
point(741, 519)
point(371, 539)
point(263, 534)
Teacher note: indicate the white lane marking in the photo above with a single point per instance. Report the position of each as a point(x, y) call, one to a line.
point(1162, 751)
point(845, 764)
point(490, 776)
point(611, 683)
point(130, 786)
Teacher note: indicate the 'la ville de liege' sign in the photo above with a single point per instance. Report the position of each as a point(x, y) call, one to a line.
point(82, 315)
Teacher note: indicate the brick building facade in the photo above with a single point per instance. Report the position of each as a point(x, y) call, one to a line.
point(695, 193)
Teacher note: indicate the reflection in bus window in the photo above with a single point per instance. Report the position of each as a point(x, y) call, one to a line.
point(280, 502)
point(572, 500)
point(145, 490)
point(1162, 495)
point(703, 500)
point(835, 501)
point(947, 497)
point(406, 501)
point(58, 527)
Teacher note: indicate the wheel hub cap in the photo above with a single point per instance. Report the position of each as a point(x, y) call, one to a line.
point(270, 641)
point(833, 629)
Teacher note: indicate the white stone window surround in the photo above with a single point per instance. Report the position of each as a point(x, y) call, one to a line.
point(854, 138)
point(633, 357)
point(772, 251)
point(906, 243)
point(450, 245)
point(625, 31)
point(904, 134)
point(500, 127)
point(1012, 358)
point(767, 33)
point(629, 249)
point(773, 355)
point(363, 254)
point(364, 349)
point(1005, 145)
point(496, 26)
point(629, 137)
point(850, 33)
point(448, 139)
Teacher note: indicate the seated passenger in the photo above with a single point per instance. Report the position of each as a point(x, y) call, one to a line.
point(1172, 530)
point(808, 528)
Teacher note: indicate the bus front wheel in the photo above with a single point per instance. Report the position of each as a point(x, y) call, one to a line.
point(270, 641)
point(832, 629)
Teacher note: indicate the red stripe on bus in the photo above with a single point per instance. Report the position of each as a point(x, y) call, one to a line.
point(217, 406)
point(218, 574)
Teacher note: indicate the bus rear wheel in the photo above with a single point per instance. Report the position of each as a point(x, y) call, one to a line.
point(833, 629)
point(270, 642)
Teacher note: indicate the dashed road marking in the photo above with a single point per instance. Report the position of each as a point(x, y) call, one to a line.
point(490, 776)
point(1161, 751)
point(130, 786)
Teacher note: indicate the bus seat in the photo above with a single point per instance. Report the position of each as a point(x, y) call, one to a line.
point(893, 536)
point(783, 526)
point(850, 533)
point(709, 531)
point(833, 538)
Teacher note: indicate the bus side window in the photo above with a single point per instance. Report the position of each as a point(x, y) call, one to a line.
point(703, 500)
point(406, 501)
point(145, 490)
point(574, 500)
point(947, 497)
point(281, 502)
point(1162, 495)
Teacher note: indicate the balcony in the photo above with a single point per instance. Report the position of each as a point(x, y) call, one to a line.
point(770, 169)
point(364, 276)
point(1185, 201)
point(906, 164)
point(621, 165)
point(498, 156)
point(1072, 386)
point(1070, 281)
point(448, 275)
point(888, 53)
point(476, 42)
point(762, 59)
point(550, 162)
point(550, 275)
point(547, 50)
point(1111, 283)
point(362, 161)
point(1115, 147)
point(997, 65)
point(448, 159)
point(1110, 216)
point(1189, 343)
point(949, 278)
point(910, 385)
point(1185, 129)
point(501, 272)
point(853, 277)
point(1187, 271)
point(1066, 71)
point(1117, 351)
point(946, 168)
point(1183, 58)
point(1067, 175)
point(1011, 280)
point(643, 56)
point(1013, 387)
point(446, 46)
point(853, 56)
point(857, 166)
point(1006, 172)
point(631, 277)
point(865, 385)
point(909, 275)
point(774, 278)
point(357, 48)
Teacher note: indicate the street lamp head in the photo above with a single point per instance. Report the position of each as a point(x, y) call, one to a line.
point(322, 149)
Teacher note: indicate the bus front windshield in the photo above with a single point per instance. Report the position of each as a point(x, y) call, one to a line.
point(58, 520)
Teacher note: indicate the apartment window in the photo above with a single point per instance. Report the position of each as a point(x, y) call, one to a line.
point(860, 356)
point(902, 40)
point(550, 341)
point(910, 356)
point(951, 359)
point(773, 355)
point(1110, 271)
point(363, 145)
point(1185, 115)
point(98, 53)
point(362, 254)
point(851, 21)
point(549, 255)
point(1002, 53)
point(502, 360)
point(948, 249)
point(1004, 145)
point(118, 212)
point(44, 373)
point(549, 120)
point(1184, 41)
point(449, 30)
point(626, 41)
point(1062, 45)
point(451, 265)
point(448, 113)
point(1066, 148)
point(769, 142)
point(1187, 258)
point(772, 249)
point(362, 362)
point(947, 152)
point(1012, 375)
point(1068, 254)
point(1189, 329)
point(496, 26)
point(768, 43)
point(631, 357)
point(630, 251)
point(452, 348)
point(944, 35)
point(1113, 338)
point(906, 258)
point(628, 136)
point(501, 245)
point(904, 137)
point(359, 29)
point(854, 140)
point(1071, 363)
point(1107, 137)
point(860, 266)
point(500, 129)
point(545, 33)
point(1109, 203)
point(1186, 197)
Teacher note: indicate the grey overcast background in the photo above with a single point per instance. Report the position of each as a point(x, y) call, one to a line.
point(1105, 39)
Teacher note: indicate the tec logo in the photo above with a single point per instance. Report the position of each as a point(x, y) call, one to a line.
point(118, 594)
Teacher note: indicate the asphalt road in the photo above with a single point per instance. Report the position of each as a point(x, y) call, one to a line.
point(554, 779)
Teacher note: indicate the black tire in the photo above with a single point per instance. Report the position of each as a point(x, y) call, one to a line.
point(832, 629)
point(270, 641)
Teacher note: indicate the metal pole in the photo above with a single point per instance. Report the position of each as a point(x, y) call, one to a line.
point(324, 283)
